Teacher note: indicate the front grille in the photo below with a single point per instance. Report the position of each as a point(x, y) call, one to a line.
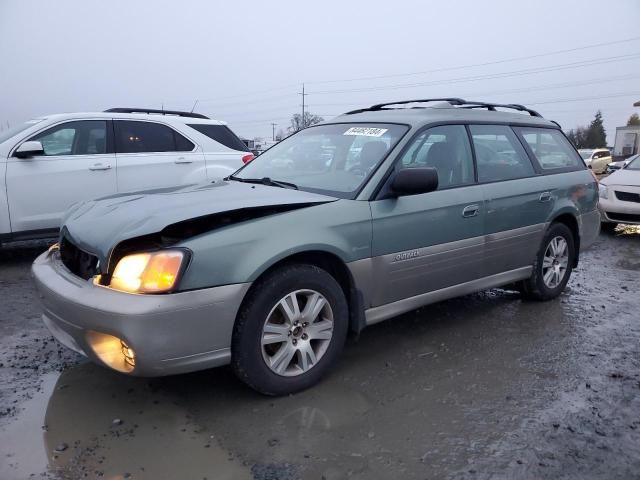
point(628, 196)
point(623, 217)
point(79, 262)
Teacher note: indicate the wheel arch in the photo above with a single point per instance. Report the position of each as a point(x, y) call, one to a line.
point(571, 221)
point(337, 268)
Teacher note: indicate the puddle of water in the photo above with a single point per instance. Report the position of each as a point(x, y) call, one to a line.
point(116, 425)
point(22, 451)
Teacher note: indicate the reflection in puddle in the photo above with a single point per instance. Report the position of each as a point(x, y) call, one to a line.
point(117, 426)
point(21, 449)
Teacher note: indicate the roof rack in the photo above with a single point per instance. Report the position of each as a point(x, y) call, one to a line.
point(457, 102)
point(380, 106)
point(493, 106)
point(155, 111)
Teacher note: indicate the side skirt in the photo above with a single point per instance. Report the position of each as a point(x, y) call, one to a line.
point(383, 312)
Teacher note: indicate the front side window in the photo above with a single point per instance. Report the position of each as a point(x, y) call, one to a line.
point(447, 150)
point(499, 154)
point(551, 148)
point(148, 137)
point(335, 159)
point(86, 137)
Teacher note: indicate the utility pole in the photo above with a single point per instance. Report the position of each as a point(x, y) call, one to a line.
point(273, 131)
point(302, 119)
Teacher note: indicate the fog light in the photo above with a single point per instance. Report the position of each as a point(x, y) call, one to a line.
point(129, 354)
point(112, 351)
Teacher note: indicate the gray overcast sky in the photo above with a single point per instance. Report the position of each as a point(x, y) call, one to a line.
point(244, 61)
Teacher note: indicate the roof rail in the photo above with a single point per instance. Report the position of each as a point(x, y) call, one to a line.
point(161, 112)
point(457, 102)
point(493, 106)
point(380, 106)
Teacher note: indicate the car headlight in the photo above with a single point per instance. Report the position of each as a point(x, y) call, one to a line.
point(603, 191)
point(153, 272)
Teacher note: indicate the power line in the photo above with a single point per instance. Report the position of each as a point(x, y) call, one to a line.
point(598, 97)
point(527, 71)
point(518, 90)
point(458, 67)
point(483, 64)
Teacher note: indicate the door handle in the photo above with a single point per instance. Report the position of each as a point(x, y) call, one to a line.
point(100, 166)
point(183, 160)
point(470, 211)
point(545, 196)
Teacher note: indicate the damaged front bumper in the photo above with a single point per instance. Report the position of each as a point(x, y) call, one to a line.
point(143, 335)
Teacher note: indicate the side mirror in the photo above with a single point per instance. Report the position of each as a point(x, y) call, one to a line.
point(29, 149)
point(413, 181)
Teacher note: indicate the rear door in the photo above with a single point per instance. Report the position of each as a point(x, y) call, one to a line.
point(153, 155)
point(431, 241)
point(78, 164)
point(518, 200)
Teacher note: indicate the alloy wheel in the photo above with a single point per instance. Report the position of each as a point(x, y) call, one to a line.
point(297, 332)
point(555, 262)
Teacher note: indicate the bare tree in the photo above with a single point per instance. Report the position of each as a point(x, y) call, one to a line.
point(309, 119)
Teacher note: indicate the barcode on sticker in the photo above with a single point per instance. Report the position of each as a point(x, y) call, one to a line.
point(366, 131)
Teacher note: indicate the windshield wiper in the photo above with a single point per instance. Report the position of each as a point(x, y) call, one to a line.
point(264, 181)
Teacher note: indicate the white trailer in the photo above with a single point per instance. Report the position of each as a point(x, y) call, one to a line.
point(627, 141)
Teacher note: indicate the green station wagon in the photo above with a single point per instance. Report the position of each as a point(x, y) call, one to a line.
point(342, 225)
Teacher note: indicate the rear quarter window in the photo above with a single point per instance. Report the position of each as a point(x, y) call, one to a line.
point(221, 134)
point(551, 149)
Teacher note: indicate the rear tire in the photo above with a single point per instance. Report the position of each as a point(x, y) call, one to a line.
point(553, 265)
point(290, 330)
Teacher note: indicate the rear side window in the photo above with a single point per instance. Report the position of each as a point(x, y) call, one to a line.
point(499, 154)
point(221, 134)
point(550, 148)
point(147, 137)
point(85, 137)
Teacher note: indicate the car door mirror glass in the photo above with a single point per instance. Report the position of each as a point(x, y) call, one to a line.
point(29, 149)
point(413, 181)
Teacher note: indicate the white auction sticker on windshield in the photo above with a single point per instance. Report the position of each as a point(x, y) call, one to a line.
point(366, 131)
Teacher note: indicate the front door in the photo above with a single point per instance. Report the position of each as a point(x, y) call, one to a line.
point(78, 164)
point(152, 155)
point(422, 243)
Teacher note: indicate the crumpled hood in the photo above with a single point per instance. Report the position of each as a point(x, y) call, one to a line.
point(97, 226)
point(623, 177)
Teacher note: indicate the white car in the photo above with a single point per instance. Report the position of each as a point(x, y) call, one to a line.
point(50, 163)
point(596, 159)
point(620, 196)
point(613, 166)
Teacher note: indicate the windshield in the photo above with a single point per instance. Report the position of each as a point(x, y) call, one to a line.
point(585, 154)
point(7, 134)
point(634, 163)
point(334, 159)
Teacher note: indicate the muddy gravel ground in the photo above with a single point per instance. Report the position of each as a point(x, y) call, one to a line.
point(484, 386)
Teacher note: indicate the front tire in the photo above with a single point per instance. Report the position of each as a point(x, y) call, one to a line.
point(553, 265)
point(290, 330)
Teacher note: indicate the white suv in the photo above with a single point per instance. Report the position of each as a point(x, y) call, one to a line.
point(50, 163)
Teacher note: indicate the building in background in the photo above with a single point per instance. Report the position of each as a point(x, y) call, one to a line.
point(627, 141)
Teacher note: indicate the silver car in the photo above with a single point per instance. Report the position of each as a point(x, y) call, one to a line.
point(340, 226)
